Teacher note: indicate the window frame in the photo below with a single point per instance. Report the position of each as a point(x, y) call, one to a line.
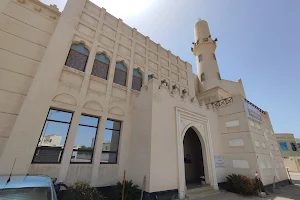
point(126, 73)
point(87, 56)
point(140, 78)
point(295, 145)
point(287, 148)
point(98, 60)
point(116, 152)
point(99, 118)
point(62, 153)
point(202, 78)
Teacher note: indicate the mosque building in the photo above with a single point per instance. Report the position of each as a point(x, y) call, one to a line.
point(83, 97)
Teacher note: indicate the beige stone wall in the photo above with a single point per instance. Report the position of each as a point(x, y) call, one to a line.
point(246, 141)
point(26, 27)
point(232, 87)
point(80, 92)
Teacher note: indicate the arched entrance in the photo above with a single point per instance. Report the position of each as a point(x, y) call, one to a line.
point(193, 159)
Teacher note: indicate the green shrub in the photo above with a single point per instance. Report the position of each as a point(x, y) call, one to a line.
point(240, 184)
point(131, 191)
point(258, 185)
point(82, 191)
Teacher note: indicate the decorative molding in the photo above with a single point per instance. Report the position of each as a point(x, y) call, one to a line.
point(164, 84)
point(53, 7)
point(115, 110)
point(185, 120)
point(175, 89)
point(242, 164)
point(93, 105)
point(65, 98)
point(236, 143)
point(232, 123)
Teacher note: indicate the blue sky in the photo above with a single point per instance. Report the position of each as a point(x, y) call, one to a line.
point(258, 42)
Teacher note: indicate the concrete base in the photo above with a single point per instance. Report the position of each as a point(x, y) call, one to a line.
point(262, 194)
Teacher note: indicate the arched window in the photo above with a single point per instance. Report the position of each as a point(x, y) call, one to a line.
point(219, 75)
point(77, 57)
point(137, 80)
point(200, 58)
point(202, 77)
point(120, 74)
point(101, 65)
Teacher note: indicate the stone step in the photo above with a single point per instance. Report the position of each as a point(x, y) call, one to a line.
point(200, 192)
point(199, 189)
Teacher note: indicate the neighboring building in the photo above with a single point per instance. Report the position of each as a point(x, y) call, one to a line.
point(121, 102)
point(298, 142)
point(51, 140)
point(289, 150)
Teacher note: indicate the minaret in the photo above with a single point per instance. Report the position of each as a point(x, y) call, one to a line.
point(204, 50)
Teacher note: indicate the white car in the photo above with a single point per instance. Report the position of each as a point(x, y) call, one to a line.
point(26, 188)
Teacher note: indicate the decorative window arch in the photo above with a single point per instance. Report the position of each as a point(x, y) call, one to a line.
point(219, 75)
point(137, 79)
point(78, 56)
point(202, 77)
point(101, 66)
point(120, 74)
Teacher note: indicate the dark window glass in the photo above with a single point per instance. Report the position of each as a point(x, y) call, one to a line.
point(293, 145)
point(200, 58)
point(202, 77)
point(214, 56)
point(85, 140)
point(120, 74)
point(101, 66)
point(137, 80)
point(52, 141)
point(77, 57)
point(283, 146)
point(111, 142)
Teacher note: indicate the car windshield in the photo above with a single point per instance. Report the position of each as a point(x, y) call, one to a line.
point(36, 193)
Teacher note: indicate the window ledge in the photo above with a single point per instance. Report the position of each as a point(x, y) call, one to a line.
point(135, 91)
point(108, 163)
point(73, 71)
point(98, 79)
point(120, 86)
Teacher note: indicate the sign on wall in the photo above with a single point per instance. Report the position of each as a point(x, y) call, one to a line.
point(252, 112)
point(220, 162)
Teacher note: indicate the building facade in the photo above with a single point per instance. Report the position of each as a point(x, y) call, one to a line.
point(111, 99)
point(289, 149)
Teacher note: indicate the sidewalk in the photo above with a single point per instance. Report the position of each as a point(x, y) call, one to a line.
point(285, 193)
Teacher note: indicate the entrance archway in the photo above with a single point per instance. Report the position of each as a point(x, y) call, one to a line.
point(193, 159)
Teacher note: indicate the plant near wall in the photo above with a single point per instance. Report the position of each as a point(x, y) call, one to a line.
point(131, 191)
point(258, 186)
point(240, 184)
point(82, 191)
